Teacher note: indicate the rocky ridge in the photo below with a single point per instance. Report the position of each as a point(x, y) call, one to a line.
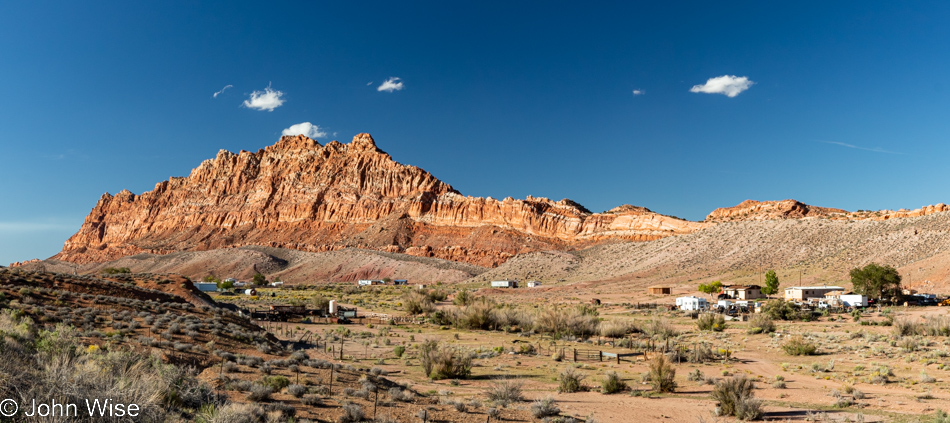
point(301, 195)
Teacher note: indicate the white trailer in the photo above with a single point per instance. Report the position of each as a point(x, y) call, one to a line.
point(504, 284)
point(691, 303)
point(853, 300)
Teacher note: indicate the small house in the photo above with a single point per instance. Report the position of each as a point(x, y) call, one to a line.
point(691, 303)
point(804, 293)
point(743, 292)
point(400, 282)
point(659, 290)
point(276, 284)
point(504, 284)
point(370, 282)
point(534, 284)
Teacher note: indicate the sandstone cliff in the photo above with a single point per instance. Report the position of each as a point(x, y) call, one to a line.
point(750, 210)
point(770, 210)
point(300, 195)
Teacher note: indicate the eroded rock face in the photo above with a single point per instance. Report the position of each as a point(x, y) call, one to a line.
point(301, 195)
point(770, 210)
point(791, 209)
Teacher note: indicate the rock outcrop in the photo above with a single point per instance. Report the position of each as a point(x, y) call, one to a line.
point(301, 195)
point(24, 263)
point(770, 210)
point(749, 210)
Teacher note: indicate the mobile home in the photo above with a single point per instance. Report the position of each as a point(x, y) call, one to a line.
point(504, 284)
point(692, 303)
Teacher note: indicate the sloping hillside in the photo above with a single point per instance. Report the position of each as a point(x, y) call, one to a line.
point(815, 250)
point(291, 266)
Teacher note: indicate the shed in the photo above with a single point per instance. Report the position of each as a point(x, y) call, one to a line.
point(534, 284)
point(400, 282)
point(660, 290)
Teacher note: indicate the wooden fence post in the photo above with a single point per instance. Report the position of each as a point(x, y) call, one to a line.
point(575, 355)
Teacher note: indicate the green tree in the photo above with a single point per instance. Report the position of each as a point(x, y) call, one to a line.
point(710, 288)
point(259, 279)
point(771, 283)
point(208, 278)
point(226, 285)
point(876, 281)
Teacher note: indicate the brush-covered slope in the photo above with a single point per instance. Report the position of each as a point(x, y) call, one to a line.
point(815, 250)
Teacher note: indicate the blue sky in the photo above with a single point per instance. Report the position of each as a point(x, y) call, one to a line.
point(846, 105)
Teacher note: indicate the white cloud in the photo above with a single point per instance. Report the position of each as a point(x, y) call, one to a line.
point(390, 85)
point(728, 85)
point(639, 92)
point(369, 83)
point(222, 91)
point(268, 99)
point(305, 128)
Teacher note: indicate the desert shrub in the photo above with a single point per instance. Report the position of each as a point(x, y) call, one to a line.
point(297, 390)
point(312, 400)
point(570, 380)
point(399, 350)
point(276, 382)
point(711, 321)
point(662, 374)
point(441, 361)
point(799, 346)
point(417, 302)
point(659, 327)
point(580, 321)
point(235, 413)
point(612, 383)
point(493, 413)
point(400, 395)
point(352, 413)
point(700, 354)
point(476, 315)
point(905, 327)
point(617, 329)
point(936, 326)
point(735, 398)
point(782, 310)
point(512, 317)
point(505, 392)
point(260, 393)
point(925, 378)
point(696, 376)
point(940, 417)
point(909, 344)
point(436, 295)
point(463, 298)
point(761, 323)
point(545, 408)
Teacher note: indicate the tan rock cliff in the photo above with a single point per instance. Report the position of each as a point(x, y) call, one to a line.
point(298, 194)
